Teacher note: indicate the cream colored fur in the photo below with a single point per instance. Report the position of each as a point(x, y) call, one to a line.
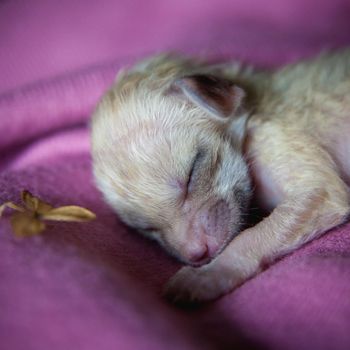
point(144, 138)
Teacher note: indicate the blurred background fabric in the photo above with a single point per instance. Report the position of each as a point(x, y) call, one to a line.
point(98, 285)
point(43, 38)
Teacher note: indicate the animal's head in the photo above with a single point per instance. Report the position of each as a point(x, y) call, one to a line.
point(167, 155)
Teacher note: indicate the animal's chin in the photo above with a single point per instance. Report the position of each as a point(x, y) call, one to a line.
point(185, 261)
point(199, 263)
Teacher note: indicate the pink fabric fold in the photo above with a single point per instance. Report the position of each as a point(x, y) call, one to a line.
point(98, 285)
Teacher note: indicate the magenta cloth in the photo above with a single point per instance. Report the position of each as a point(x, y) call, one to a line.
point(97, 285)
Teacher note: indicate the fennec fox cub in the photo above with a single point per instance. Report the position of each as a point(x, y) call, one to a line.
point(180, 146)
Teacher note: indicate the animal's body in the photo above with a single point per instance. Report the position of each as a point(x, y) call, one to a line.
point(180, 146)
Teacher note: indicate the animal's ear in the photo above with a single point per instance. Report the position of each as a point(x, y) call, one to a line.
point(218, 96)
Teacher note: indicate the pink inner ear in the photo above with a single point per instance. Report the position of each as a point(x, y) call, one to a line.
point(238, 95)
point(216, 95)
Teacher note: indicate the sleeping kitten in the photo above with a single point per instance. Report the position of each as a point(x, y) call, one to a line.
point(179, 145)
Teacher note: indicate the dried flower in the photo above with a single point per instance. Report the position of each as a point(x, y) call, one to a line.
point(29, 220)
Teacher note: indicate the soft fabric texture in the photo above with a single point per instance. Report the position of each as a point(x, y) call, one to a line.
point(98, 285)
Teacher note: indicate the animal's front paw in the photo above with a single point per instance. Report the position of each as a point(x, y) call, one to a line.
point(197, 284)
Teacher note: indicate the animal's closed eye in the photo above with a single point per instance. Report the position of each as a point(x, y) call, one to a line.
point(191, 179)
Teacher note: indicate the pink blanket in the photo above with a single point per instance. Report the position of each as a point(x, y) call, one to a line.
point(97, 285)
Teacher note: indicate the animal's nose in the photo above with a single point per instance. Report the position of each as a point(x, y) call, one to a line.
point(198, 252)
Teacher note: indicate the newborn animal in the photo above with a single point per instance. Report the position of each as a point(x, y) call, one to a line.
point(180, 146)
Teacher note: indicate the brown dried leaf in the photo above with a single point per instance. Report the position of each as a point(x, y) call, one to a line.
point(29, 200)
point(34, 203)
point(25, 224)
point(9, 205)
point(2, 208)
point(43, 207)
point(69, 213)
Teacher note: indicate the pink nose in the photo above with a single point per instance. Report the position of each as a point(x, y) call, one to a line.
point(198, 252)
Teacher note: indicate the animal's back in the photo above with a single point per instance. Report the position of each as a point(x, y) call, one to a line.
point(326, 73)
point(312, 98)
